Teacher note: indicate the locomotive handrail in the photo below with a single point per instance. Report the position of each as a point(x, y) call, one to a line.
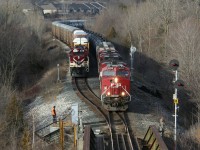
point(104, 93)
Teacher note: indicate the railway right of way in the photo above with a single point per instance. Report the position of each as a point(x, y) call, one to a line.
point(118, 130)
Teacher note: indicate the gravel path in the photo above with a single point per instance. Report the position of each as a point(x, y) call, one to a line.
point(42, 109)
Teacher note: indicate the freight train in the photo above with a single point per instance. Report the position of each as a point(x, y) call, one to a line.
point(114, 76)
point(114, 73)
point(77, 40)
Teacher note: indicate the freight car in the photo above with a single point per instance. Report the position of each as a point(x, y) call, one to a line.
point(114, 76)
point(78, 42)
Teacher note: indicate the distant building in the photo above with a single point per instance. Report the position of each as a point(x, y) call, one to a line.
point(48, 8)
point(64, 8)
point(27, 7)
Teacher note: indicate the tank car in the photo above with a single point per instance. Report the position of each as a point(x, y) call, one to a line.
point(78, 42)
point(114, 77)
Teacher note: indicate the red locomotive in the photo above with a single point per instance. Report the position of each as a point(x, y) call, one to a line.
point(114, 77)
point(77, 40)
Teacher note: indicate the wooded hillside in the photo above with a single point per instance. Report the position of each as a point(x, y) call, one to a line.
point(162, 30)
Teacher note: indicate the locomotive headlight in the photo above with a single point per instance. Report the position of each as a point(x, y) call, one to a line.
point(108, 93)
point(123, 93)
point(116, 80)
point(105, 87)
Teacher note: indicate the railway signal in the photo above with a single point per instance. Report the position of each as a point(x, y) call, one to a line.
point(174, 64)
point(179, 84)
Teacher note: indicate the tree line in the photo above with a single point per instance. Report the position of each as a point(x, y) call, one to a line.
point(22, 60)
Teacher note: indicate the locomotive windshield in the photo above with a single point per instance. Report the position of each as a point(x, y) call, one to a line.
point(108, 73)
point(122, 73)
point(79, 50)
point(111, 58)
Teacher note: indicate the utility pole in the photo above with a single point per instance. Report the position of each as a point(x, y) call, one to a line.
point(75, 136)
point(132, 51)
point(33, 142)
point(61, 134)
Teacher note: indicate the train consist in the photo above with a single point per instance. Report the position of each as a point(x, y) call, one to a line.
point(77, 40)
point(114, 73)
point(114, 76)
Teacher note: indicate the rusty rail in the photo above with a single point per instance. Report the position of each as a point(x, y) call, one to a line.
point(153, 140)
point(89, 139)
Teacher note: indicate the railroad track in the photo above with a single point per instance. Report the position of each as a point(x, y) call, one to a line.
point(120, 137)
point(120, 134)
point(83, 90)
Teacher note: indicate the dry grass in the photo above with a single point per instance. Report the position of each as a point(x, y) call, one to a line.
point(49, 84)
point(52, 92)
point(195, 132)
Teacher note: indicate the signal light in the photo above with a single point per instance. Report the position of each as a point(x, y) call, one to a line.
point(174, 64)
point(179, 84)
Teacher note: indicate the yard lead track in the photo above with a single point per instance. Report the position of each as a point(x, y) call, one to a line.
point(120, 138)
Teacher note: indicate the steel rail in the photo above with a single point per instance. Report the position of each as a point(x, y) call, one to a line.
point(83, 89)
point(94, 104)
point(86, 81)
point(122, 116)
point(88, 97)
point(117, 136)
point(111, 132)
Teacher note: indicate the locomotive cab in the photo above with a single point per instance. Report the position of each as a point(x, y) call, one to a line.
point(79, 61)
point(77, 40)
point(115, 87)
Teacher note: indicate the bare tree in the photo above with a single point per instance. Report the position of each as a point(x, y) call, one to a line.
point(185, 46)
point(15, 47)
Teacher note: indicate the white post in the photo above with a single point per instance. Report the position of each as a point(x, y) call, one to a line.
point(131, 67)
point(175, 109)
point(81, 123)
point(58, 79)
point(132, 51)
